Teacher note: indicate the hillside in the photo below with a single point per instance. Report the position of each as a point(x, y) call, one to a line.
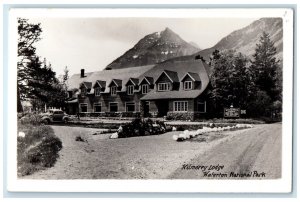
point(244, 40)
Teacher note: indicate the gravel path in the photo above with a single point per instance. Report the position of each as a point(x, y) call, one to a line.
point(149, 157)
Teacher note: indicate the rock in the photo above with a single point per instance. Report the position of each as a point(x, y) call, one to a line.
point(186, 132)
point(114, 136)
point(175, 137)
point(79, 139)
point(21, 134)
point(120, 129)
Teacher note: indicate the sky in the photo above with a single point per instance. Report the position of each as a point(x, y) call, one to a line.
point(93, 43)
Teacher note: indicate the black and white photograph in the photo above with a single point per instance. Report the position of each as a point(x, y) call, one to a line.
point(145, 96)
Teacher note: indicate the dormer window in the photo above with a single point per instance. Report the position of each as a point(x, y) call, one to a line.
point(85, 87)
point(163, 86)
point(83, 91)
point(99, 87)
point(113, 90)
point(97, 91)
point(145, 88)
point(130, 89)
point(167, 81)
point(187, 85)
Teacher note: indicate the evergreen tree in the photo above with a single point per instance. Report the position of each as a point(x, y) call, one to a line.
point(36, 80)
point(28, 35)
point(43, 87)
point(230, 80)
point(265, 67)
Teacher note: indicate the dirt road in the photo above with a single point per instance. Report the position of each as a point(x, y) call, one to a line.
point(160, 157)
point(255, 153)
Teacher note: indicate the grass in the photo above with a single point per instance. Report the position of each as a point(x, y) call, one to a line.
point(38, 149)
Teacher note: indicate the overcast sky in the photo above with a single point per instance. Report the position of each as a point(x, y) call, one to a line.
point(93, 43)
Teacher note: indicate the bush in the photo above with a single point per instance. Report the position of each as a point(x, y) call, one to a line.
point(30, 118)
point(37, 150)
point(140, 128)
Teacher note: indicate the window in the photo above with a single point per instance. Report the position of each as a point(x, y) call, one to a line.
point(201, 107)
point(145, 88)
point(83, 107)
point(113, 107)
point(163, 86)
point(187, 85)
point(181, 106)
point(97, 107)
point(70, 94)
point(83, 91)
point(97, 91)
point(130, 89)
point(130, 106)
point(113, 90)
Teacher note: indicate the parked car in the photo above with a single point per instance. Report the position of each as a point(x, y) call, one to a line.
point(54, 116)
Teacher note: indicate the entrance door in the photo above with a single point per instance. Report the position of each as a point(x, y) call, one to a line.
point(163, 107)
point(146, 107)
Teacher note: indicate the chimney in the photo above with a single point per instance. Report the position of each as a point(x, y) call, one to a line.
point(81, 73)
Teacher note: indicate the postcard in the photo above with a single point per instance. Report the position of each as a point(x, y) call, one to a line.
point(150, 100)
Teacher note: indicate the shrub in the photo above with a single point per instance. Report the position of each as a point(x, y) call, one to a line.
point(30, 118)
point(140, 128)
point(180, 128)
point(37, 150)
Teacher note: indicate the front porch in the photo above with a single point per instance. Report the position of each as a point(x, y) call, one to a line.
point(179, 109)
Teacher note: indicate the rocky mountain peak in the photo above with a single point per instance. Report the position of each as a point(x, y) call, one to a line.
point(154, 48)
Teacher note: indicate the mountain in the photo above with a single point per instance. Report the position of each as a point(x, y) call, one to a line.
point(244, 40)
point(195, 45)
point(154, 48)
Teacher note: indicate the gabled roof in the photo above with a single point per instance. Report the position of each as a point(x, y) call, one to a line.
point(100, 83)
point(181, 67)
point(117, 82)
point(134, 81)
point(107, 75)
point(192, 75)
point(88, 85)
point(173, 76)
point(148, 79)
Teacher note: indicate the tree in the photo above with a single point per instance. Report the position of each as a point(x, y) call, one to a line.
point(267, 76)
point(265, 67)
point(230, 80)
point(36, 80)
point(28, 35)
point(43, 87)
point(66, 78)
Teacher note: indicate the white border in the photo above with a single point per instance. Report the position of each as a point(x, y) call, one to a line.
point(282, 185)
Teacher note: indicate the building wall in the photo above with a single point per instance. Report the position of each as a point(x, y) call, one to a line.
point(191, 104)
point(105, 99)
point(154, 106)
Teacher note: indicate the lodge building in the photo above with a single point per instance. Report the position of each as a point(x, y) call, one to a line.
point(176, 89)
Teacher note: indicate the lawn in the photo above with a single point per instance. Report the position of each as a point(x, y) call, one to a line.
point(37, 147)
